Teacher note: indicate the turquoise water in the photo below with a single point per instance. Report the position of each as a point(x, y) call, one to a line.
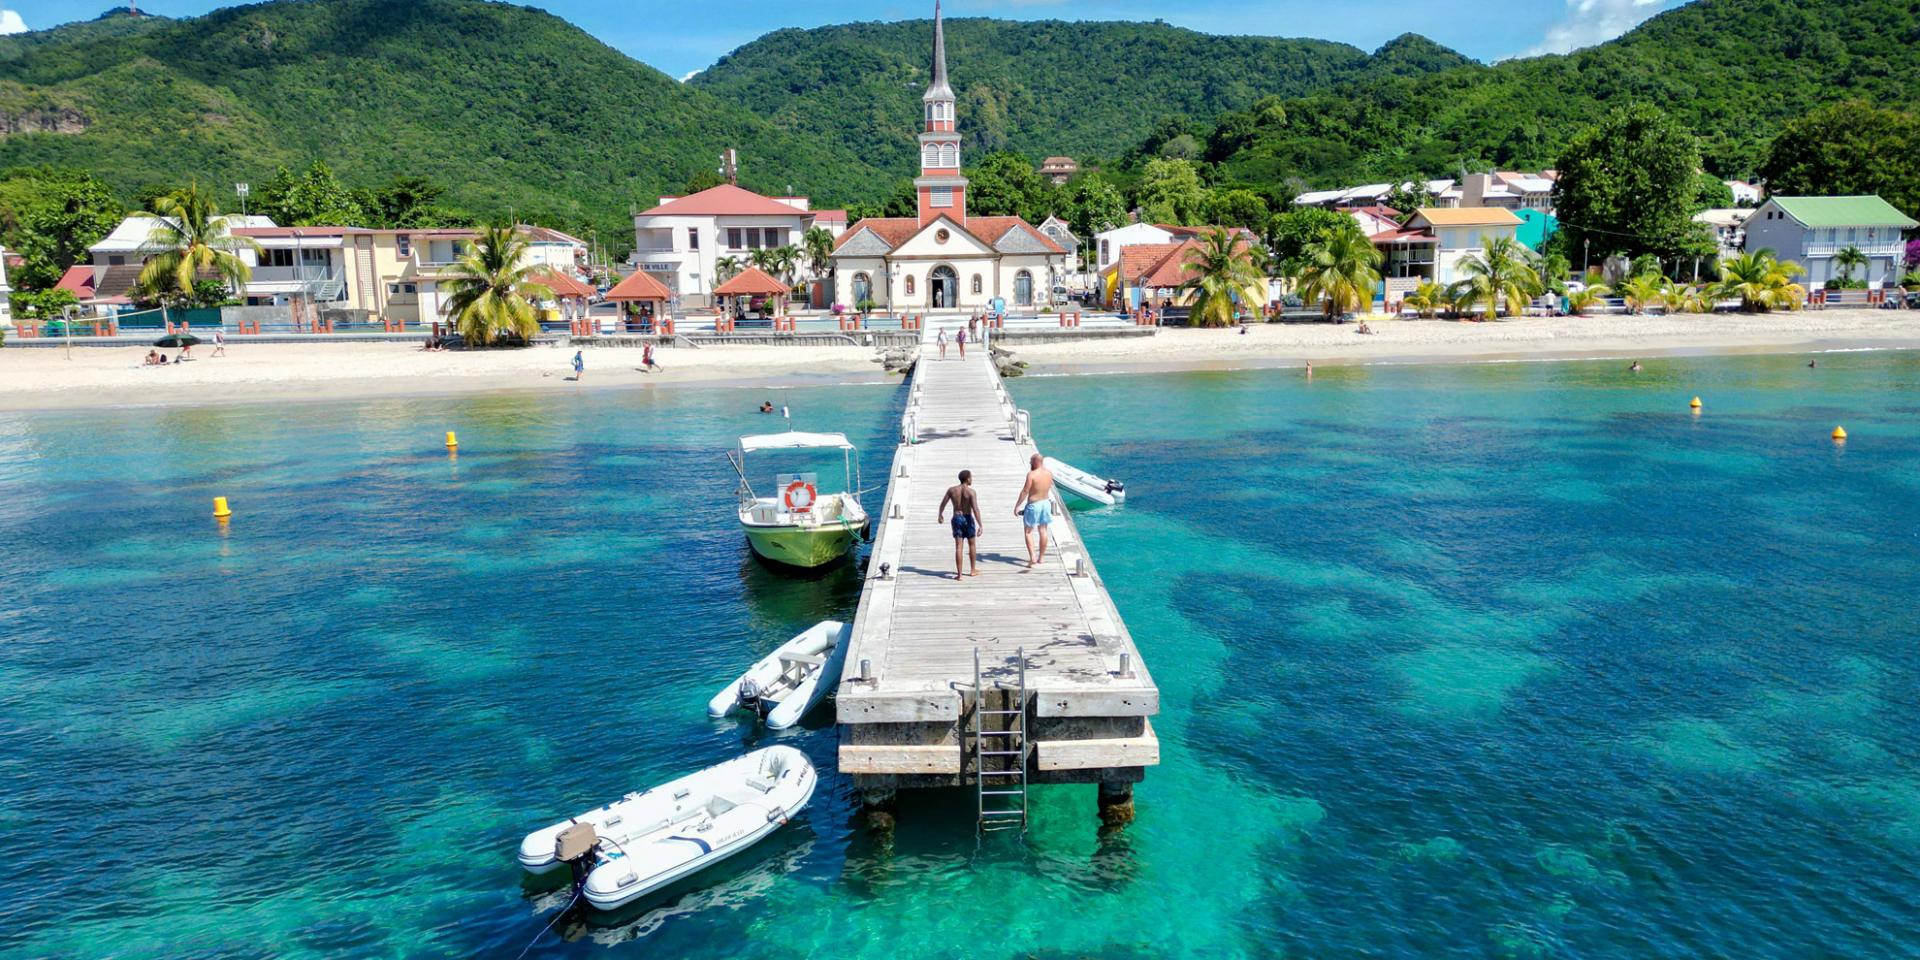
point(1501, 660)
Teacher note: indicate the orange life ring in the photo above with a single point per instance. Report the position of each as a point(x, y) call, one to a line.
point(800, 496)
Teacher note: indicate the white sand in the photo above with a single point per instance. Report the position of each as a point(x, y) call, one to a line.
point(43, 378)
point(1291, 344)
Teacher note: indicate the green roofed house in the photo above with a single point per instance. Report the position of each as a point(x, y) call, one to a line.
point(1810, 230)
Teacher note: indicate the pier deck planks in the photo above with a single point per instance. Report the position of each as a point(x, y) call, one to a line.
point(918, 630)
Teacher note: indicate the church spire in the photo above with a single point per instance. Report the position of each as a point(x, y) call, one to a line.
point(938, 89)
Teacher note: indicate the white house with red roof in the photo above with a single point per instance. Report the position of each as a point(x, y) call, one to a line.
point(680, 241)
point(944, 259)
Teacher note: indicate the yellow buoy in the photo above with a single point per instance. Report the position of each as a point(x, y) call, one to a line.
point(1695, 404)
point(220, 508)
point(452, 441)
point(1840, 434)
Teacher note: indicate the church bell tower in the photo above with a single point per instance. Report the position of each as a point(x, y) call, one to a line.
point(942, 190)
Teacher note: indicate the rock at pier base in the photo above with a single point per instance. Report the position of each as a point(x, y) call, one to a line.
point(877, 808)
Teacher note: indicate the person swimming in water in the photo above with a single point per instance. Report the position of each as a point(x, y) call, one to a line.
point(1634, 368)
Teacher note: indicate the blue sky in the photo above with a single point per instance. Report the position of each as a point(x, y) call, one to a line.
point(681, 37)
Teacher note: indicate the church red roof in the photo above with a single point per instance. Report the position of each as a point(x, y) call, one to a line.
point(988, 230)
point(725, 200)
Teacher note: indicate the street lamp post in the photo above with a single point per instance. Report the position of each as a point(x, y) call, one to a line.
point(242, 189)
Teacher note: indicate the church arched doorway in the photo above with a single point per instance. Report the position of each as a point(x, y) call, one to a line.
point(862, 289)
point(944, 286)
point(1023, 288)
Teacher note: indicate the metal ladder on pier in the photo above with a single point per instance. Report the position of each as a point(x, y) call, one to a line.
point(1000, 748)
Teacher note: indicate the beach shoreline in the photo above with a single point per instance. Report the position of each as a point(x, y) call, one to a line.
point(43, 379)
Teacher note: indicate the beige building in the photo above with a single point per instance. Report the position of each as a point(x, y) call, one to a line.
point(391, 274)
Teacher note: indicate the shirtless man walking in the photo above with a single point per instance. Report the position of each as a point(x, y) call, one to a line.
point(967, 523)
point(1035, 507)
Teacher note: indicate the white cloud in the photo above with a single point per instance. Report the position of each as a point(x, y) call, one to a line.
point(10, 22)
point(1588, 22)
point(690, 74)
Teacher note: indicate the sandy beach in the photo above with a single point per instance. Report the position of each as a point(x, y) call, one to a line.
point(45, 378)
point(1453, 341)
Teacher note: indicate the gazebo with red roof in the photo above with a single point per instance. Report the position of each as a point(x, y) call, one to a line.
point(640, 295)
point(754, 282)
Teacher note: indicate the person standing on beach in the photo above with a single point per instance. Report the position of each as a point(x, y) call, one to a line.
point(967, 522)
point(1035, 507)
point(941, 339)
point(579, 365)
point(219, 342)
point(960, 340)
point(646, 359)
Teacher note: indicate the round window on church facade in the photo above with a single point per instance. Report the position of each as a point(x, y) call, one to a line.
point(941, 235)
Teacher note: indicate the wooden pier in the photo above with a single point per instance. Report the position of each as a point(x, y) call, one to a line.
point(906, 700)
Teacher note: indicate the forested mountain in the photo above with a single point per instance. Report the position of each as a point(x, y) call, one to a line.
point(1730, 70)
point(1034, 87)
point(515, 111)
point(508, 107)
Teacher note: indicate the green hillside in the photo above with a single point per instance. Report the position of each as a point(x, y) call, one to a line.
point(1034, 87)
point(510, 108)
point(1731, 70)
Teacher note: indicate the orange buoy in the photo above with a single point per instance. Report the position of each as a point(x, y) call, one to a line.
point(1839, 434)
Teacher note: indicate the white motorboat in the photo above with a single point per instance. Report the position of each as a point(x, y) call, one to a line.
point(791, 680)
point(802, 525)
point(1085, 485)
point(644, 841)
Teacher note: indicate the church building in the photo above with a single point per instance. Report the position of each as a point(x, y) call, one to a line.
point(943, 259)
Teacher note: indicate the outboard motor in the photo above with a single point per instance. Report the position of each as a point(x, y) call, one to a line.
point(750, 697)
point(579, 848)
point(1115, 486)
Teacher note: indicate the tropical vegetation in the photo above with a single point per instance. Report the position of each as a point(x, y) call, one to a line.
point(1224, 279)
point(490, 291)
point(193, 241)
point(1341, 269)
point(1586, 298)
point(1762, 282)
point(1502, 273)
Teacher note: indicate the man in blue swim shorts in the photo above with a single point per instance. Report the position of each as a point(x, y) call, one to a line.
point(1035, 507)
point(966, 521)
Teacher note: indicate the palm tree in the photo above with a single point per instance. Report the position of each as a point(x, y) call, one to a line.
point(1426, 299)
point(764, 259)
point(785, 259)
point(193, 240)
point(1761, 282)
point(1342, 267)
point(727, 268)
point(1221, 270)
point(1582, 300)
point(818, 242)
point(491, 291)
point(1643, 291)
point(1681, 298)
point(1847, 260)
point(1502, 271)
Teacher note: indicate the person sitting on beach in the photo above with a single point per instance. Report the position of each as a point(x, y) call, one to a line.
point(1364, 328)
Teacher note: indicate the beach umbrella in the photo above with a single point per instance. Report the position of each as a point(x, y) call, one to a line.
point(177, 340)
